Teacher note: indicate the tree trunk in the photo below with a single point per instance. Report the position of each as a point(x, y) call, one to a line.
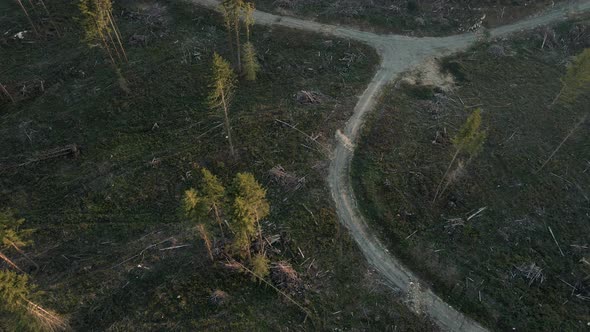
point(205, 237)
point(22, 253)
point(445, 175)
point(28, 17)
point(231, 43)
point(118, 35)
point(107, 48)
point(260, 238)
point(6, 93)
point(49, 320)
point(11, 263)
point(218, 218)
point(556, 98)
point(562, 142)
point(114, 45)
point(227, 127)
point(239, 51)
point(259, 234)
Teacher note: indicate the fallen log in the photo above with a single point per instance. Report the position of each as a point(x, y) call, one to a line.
point(70, 150)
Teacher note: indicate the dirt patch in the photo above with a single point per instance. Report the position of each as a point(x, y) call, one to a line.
point(430, 74)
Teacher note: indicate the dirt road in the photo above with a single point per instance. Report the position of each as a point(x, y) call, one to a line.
point(398, 54)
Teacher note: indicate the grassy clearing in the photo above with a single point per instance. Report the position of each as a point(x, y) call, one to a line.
point(102, 217)
point(485, 265)
point(424, 17)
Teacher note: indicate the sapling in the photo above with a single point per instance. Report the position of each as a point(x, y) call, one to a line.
point(469, 140)
point(222, 91)
point(16, 298)
point(576, 79)
point(251, 65)
point(13, 236)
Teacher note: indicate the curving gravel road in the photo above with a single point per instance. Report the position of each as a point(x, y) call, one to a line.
point(398, 54)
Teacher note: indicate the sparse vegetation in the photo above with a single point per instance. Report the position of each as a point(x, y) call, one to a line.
point(576, 80)
point(121, 175)
point(109, 237)
point(506, 242)
point(424, 17)
point(16, 295)
point(251, 65)
point(12, 236)
point(469, 141)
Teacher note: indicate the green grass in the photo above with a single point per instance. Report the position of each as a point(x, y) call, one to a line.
point(406, 148)
point(98, 216)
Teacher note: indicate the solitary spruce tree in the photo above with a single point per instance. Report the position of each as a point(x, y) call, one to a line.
point(231, 11)
point(222, 91)
point(16, 297)
point(469, 140)
point(577, 78)
point(248, 13)
point(12, 236)
point(251, 65)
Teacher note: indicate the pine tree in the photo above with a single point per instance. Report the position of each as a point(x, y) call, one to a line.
point(100, 27)
point(239, 6)
point(213, 195)
point(199, 206)
point(469, 140)
point(194, 211)
point(248, 13)
point(260, 266)
point(577, 78)
point(12, 236)
point(222, 91)
point(228, 13)
point(250, 206)
point(231, 11)
point(16, 297)
point(251, 65)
